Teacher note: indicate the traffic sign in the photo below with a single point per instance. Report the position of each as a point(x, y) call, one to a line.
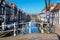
point(47, 12)
point(47, 17)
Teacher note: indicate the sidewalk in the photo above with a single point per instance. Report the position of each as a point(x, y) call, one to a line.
point(57, 29)
point(35, 36)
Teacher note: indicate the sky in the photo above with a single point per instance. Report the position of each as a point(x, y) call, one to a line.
point(32, 6)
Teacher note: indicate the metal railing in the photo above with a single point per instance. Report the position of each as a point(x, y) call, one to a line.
point(27, 25)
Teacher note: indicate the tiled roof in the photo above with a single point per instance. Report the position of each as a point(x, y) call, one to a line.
point(51, 5)
point(54, 6)
point(57, 7)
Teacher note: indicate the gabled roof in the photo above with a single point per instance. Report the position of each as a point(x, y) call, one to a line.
point(57, 7)
point(52, 6)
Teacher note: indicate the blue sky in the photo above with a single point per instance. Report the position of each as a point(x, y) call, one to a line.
point(32, 6)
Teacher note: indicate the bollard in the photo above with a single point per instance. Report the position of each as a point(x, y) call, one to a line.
point(29, 30)
point(2, 27)
point(42, 31)
point(23, 29)
point(29, 27)
point(14, 30)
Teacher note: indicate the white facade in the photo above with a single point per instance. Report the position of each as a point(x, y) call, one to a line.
point(59, 17)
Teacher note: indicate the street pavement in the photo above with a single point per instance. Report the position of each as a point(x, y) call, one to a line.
point(35, 36)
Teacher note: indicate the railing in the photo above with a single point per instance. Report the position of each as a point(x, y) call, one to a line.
point(40, 27)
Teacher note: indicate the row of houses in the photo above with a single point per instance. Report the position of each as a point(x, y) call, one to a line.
point(54, 14)
point(10, 13)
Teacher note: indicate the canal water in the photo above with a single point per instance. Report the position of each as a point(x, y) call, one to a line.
point(32, 27)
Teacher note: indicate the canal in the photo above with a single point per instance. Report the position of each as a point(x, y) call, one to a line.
point(31, 27)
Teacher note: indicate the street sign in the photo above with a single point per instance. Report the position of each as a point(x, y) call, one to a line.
point(47, 17)
point(47, 12)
